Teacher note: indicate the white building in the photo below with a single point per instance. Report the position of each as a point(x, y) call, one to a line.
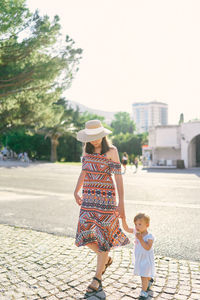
point(167, 144)
point(149, 114)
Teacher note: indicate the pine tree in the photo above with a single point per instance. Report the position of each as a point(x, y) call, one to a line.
point(36, 66)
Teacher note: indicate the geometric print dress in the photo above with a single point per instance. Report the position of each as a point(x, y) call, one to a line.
point(97, 220)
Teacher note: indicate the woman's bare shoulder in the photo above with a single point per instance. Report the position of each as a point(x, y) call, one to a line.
point(112, 154)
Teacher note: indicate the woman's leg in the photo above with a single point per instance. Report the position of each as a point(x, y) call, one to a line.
point(102, 259)
point(93, 247)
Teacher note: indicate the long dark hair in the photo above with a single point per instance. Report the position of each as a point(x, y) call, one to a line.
point(105, 146)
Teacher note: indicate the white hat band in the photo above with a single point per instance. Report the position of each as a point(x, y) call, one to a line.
point(94, 130)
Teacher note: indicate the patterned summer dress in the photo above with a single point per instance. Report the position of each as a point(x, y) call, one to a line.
point(97, 221)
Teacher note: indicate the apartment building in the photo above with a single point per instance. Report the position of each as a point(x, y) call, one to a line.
point(149, 114)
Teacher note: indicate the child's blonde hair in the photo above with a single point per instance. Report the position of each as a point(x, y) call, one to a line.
point(142, 216)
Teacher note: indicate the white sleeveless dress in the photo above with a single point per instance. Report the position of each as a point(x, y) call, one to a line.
point(144, 264)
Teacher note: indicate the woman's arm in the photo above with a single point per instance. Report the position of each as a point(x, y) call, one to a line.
point(125, 226)
point(114, 156)
point(78, 187)
point(120, 191)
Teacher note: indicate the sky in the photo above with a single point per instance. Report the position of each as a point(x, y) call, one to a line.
point(133, 51)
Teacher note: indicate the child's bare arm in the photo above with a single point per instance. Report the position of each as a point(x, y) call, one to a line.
point(125, 226)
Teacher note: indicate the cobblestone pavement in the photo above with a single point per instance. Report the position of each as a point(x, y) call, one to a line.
point(37, 265)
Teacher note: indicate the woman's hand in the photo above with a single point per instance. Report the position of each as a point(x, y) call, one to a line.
point(78, 199)
point(120, 213)
point(78, 187)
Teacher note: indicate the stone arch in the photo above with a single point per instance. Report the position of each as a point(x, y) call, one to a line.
point(194, 152)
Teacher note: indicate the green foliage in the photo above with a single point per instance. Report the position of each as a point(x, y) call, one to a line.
point(12, 14)
point(79, 119)
point(69, 149)
point(38, 143)
point(128, 143)
point(144, 138)
point(63, 124)
point(124, 138)
point(36, 65)
point(21, 141)
point(122, 123)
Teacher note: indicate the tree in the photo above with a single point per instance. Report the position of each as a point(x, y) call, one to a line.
point(79, 119)
point(122, 123)
point(66, 123)
point(21, 140)
point(56, 142)
point(36, 65)
point(128, 143)
point(143, 138)
point(181, 120)
point(63, 124)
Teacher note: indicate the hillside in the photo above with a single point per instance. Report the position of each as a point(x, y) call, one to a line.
point(109, 116)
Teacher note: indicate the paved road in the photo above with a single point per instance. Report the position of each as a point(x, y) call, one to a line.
point(40, 196)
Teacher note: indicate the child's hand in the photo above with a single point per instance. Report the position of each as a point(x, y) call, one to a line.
point(139, 236)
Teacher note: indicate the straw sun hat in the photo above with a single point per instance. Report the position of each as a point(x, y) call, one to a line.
point(93, 131)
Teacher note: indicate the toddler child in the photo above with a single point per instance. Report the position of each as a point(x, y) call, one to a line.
point(144, 254)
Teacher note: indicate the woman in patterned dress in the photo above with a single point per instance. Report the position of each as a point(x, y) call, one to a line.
point(98, 225)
